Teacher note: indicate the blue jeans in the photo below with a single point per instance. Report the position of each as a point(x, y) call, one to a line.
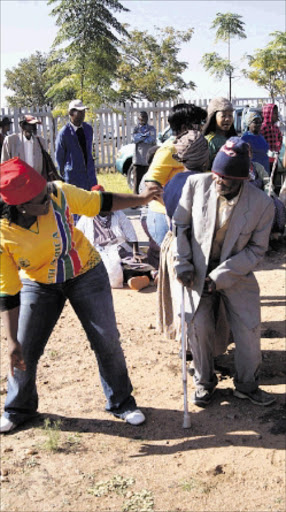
point(157, 226)
point(41, 306)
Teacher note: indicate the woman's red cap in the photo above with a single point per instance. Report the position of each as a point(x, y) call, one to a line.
point(19, 182)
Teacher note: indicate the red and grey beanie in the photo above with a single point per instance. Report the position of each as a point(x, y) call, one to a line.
point(232, 160)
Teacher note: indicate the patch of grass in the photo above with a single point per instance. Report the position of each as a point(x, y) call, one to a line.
point(117, 484)
point(141, 501)
point(197, 485)
point(113, 182)
point(53, 432)
point(31, 463)
point(53, 354)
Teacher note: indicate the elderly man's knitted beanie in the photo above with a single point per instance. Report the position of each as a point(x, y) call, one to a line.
point(19, 182)
point(218, 105)
point(192, 149)
point(232, 160)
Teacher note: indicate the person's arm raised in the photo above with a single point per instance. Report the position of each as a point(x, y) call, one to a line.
point(122, 201)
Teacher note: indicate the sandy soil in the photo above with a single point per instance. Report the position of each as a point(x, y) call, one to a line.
point(76, 458)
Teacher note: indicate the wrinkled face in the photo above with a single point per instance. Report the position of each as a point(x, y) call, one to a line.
point(37, 206)
point(77, 116)
point(255, 125)
point(29, 130)
point(224, 120)
point(227, 187)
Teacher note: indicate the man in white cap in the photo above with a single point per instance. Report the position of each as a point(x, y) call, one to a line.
point(74, 149)
point(26, 144)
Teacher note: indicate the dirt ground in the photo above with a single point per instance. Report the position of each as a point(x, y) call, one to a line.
point(76, 458)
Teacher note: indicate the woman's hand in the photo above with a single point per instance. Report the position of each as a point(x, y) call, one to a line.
point(15, 356)
point(151, 192)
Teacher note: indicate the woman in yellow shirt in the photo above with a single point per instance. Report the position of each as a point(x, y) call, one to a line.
point(164, 167)
point(45, 260)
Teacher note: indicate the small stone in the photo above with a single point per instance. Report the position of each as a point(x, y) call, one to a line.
point(8, 449)
point(31, 451)
point(4, 472)
point(4, 479)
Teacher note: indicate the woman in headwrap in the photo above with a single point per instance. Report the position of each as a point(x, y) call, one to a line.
point(182, 117)
point(192, 151)
point(219, 125)
point(257, 142)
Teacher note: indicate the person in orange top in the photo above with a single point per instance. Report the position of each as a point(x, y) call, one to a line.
point(56, 263)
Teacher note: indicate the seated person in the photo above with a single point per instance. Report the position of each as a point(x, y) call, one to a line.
point(114, 237)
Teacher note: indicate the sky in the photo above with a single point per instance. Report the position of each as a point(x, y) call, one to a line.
point(27, 27)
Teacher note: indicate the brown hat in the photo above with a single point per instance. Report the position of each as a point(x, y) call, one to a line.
point(218, 105)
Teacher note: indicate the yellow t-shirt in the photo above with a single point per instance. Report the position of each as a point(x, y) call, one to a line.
point(52, 250)
point(162, 169)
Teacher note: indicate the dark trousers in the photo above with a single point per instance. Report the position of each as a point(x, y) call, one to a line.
point(139, 171)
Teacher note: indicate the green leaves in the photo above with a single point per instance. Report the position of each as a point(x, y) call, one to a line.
point(149, 68)
point(27, 81)
point(228, 25)
point(89, 49)
point(268, 66)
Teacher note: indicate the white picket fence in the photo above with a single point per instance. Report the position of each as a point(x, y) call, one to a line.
point(113, 127)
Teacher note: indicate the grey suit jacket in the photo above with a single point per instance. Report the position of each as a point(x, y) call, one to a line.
point(244, 246)
point(13, 146)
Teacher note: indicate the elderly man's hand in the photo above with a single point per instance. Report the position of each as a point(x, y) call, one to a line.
point(186, 278)
point(209, 287)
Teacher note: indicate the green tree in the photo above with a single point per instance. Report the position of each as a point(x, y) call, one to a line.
point(228, 26)
point(89, 48)
point(27, 81)
point(149, 67)
point(268, 66)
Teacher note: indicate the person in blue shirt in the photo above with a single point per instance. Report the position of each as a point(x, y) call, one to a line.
point(257, 142)
point(144, 137)
point(74, 149)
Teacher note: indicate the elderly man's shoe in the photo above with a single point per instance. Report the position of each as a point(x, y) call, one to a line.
point(202, 397)
point(257, 397)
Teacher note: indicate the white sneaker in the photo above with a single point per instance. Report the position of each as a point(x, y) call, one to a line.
point(135, 417)
point(6, 425)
